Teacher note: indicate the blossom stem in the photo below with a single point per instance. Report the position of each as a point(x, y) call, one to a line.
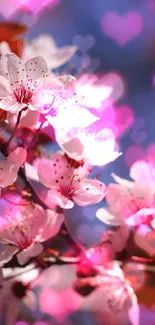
point(15, 129)
point(32, 142)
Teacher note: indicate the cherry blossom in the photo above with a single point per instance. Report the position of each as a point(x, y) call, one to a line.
point(111, 298)
point(16, 289)
point(96, 147)
point(22, 229)
point(54, 56)
point(134, 199)
point(10, 166)
point(63, 107)
point(116, 236)
point(19, 82)
point(68, 183)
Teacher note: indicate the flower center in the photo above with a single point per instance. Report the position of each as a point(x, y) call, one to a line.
point(73, 163)
point(23, 96)
point(48, 108)
point(19, 289)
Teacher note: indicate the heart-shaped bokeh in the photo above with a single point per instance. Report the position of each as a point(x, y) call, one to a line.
point(122, 29)
point(84, 43)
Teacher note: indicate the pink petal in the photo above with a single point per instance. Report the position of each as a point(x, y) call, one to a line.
point(6, 253)
point(140, 216)
point(141, 240)
point(30, 300)
point(45, 172)
point(73, 148)
point(31, 251)
point(18, 156)
point(141, 170)
point(11, 166)
point(1, 278)
point(52, 224)
point(89, 192)
point(8, 175)
point(62, 201)
point(12, 311)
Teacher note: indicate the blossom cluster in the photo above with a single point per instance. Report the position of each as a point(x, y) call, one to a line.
point(33, 96)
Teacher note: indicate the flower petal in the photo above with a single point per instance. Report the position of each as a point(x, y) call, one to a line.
point(140, 216)
point(122, 181)
point(10, 167)
point(57, 198)
point(31, 251)
point(108, 218)
point(52, 224)
point(61, 56)
point(141, 241)
point(36, 70)
point(45, 172)
point(6, 253)
point(31, 172)
point(88, 193)
point(9, 104)
point(12, 67)
point(4, 86)
point(18, 156)
point(12, 311)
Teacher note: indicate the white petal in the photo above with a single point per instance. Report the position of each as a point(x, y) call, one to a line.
point(10, 104)
point(61, 56)
point(36, 70)
point(105, 216)
point(4, 48)
point(122, 181)
point(4, 87)
point(13, 68)
point(31, 172)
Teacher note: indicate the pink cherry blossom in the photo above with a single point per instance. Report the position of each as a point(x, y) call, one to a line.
point(115, 238)
point(22, 229)
point(96, 147)
point(68, 183)
point(10, 166)
point(19, 82)
point(16, 287)
point(63, 107)
point(134, 198)
point(45, 46)
point(111, 300)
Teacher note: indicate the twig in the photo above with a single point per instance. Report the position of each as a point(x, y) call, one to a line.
point(15, 129)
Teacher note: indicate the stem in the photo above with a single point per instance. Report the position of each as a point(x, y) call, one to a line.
point(15, 129)
point(35, 197)
point(32, 142)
